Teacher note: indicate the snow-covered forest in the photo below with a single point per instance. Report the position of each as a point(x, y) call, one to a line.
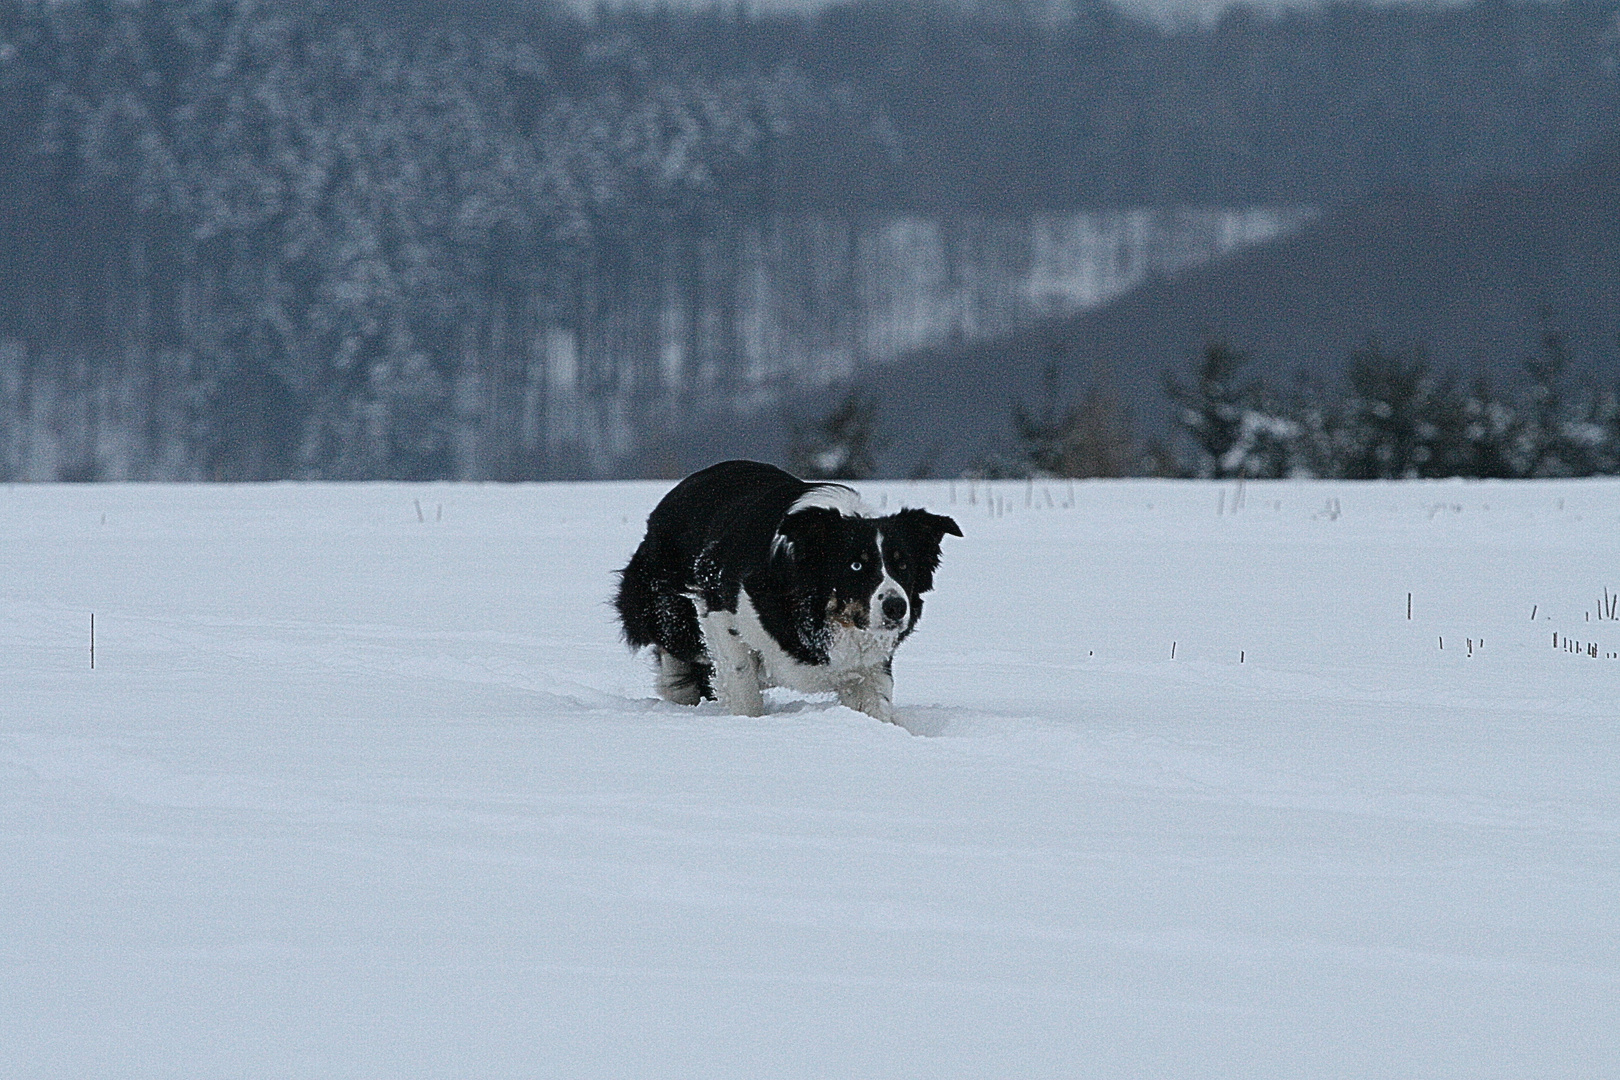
point(253, 240)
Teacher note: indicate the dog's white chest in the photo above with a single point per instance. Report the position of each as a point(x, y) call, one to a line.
point(852, 654)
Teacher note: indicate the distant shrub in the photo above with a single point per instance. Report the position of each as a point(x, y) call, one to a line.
point(841, 445)
point(1236, 426)
point(1393, 418)
point(1059, 437)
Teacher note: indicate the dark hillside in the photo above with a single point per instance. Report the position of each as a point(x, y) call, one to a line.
point(1473, 279)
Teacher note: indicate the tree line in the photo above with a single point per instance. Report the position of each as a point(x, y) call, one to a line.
point(1391, 416)
point(1395, 418)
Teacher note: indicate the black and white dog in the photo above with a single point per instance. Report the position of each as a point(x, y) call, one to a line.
point(750, 577)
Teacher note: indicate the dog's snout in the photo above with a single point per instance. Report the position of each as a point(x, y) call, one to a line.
point(894, 607)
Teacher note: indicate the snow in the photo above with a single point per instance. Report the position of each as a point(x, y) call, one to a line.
point(363, 784)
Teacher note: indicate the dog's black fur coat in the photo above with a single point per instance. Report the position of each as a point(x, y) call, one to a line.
point(809, 560)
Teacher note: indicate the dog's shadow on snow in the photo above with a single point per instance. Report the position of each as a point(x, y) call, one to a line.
point(933, 721)
point(927, 721)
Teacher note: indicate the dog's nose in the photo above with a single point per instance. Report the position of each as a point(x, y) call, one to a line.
point(894, 607)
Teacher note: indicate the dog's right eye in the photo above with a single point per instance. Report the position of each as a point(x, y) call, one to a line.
point(856, 566)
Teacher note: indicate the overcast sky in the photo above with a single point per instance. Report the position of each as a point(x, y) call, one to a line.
point(1175, 10)
point(1168, 12)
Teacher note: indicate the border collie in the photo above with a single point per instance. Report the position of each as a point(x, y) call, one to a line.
point(750, 577)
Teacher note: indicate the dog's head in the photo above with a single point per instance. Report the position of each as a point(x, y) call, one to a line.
point(861, 572)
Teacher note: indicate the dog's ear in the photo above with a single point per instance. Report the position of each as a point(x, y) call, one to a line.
point(931, 527)
point(803, 528)
point(921, 533)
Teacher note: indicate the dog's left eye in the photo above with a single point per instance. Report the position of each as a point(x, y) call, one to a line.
point(856, 566)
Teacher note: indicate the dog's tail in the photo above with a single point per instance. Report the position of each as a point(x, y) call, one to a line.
point(637, 604)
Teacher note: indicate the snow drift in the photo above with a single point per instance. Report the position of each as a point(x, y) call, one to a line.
point(1195, 780)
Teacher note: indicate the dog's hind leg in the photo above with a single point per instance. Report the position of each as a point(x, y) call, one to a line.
point(735, 674)
point(679, 681)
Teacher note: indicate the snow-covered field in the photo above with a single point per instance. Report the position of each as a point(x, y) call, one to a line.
point(363, 784)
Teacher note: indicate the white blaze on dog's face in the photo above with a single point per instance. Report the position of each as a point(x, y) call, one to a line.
point(890, 606)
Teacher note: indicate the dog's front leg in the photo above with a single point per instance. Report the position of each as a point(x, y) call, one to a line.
point(870, 692)
point(736, 670)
